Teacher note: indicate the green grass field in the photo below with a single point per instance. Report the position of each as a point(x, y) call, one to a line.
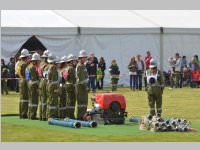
point(183, 103)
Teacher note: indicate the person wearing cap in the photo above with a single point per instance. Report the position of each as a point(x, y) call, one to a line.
point(62, 88)
point(33, 77)
point(23, 85)
point(70, 86)
point(81, 85)
point(43, 86)
point(52, 85)
point(154, 88)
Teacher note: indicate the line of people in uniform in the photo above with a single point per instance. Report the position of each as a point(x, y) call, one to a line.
point(54, 86)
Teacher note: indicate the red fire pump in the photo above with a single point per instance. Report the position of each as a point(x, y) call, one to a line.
point(108, 108)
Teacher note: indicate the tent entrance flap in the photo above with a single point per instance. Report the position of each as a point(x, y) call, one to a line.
point(32, 44)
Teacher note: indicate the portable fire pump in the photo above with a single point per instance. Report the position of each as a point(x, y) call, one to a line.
point(108, 108)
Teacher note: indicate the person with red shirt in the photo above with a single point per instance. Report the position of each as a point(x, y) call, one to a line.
point(147, 60)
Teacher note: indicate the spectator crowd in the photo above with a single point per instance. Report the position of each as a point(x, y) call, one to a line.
point(179, 73)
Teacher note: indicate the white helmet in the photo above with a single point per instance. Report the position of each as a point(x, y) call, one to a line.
point(51, 58)
point(63, 59)
point(45, 54)
point(70, 57)
point(35, 56)
point(82, 53)
point(24, 53)
point(152, 63)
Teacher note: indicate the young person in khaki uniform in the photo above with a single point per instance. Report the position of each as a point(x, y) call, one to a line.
point(154, 88)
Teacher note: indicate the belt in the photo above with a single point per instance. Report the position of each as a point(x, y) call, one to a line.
point(32, 105)
point(52, 107)
point(54, 82)
point(43, 104)
point(23, 101)
point(70, 107)
point(82, 105)
point(62, 108)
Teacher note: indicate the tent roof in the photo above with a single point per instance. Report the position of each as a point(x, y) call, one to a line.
point(108, 21)
point(27, 22)
point(65, 22)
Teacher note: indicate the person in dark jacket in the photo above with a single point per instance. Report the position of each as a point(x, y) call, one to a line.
point(102, 65)
point(92, 72)
point(12, 82)
point(4, 74)
point(114, 72)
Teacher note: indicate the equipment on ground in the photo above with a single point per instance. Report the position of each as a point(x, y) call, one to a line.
point(91, 124)
point(133, 119)
point(158, 124)
point(74, 124)
point(108, 108)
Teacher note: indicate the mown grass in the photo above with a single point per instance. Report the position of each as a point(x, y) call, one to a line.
point(183, 103)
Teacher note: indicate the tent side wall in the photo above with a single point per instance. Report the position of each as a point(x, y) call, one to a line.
point(122, 48)
point(182, 40)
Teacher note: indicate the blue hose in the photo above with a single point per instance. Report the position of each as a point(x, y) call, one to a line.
point(74, 124)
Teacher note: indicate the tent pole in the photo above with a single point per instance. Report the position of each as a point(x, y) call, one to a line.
point(161, 48)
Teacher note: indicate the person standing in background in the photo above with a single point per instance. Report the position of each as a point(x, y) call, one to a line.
point(92, 72)
point(178, 70)
point(4, 74)
point(114, 72)
point(172, 63)
point(147, 60)
point(184, 65)
point(133, 68)
point(99, 76)
point(95, 61)
point(102, 65)
point(11, 67)
point(197, 62)
point(140, 64)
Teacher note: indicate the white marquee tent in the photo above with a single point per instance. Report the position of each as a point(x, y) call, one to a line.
point(113, 34)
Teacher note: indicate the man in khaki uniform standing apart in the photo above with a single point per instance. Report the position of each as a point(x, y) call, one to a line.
point(43, 86)
point(23, 85)
point(155, 87)
point(81, 87)
point(32, 76)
